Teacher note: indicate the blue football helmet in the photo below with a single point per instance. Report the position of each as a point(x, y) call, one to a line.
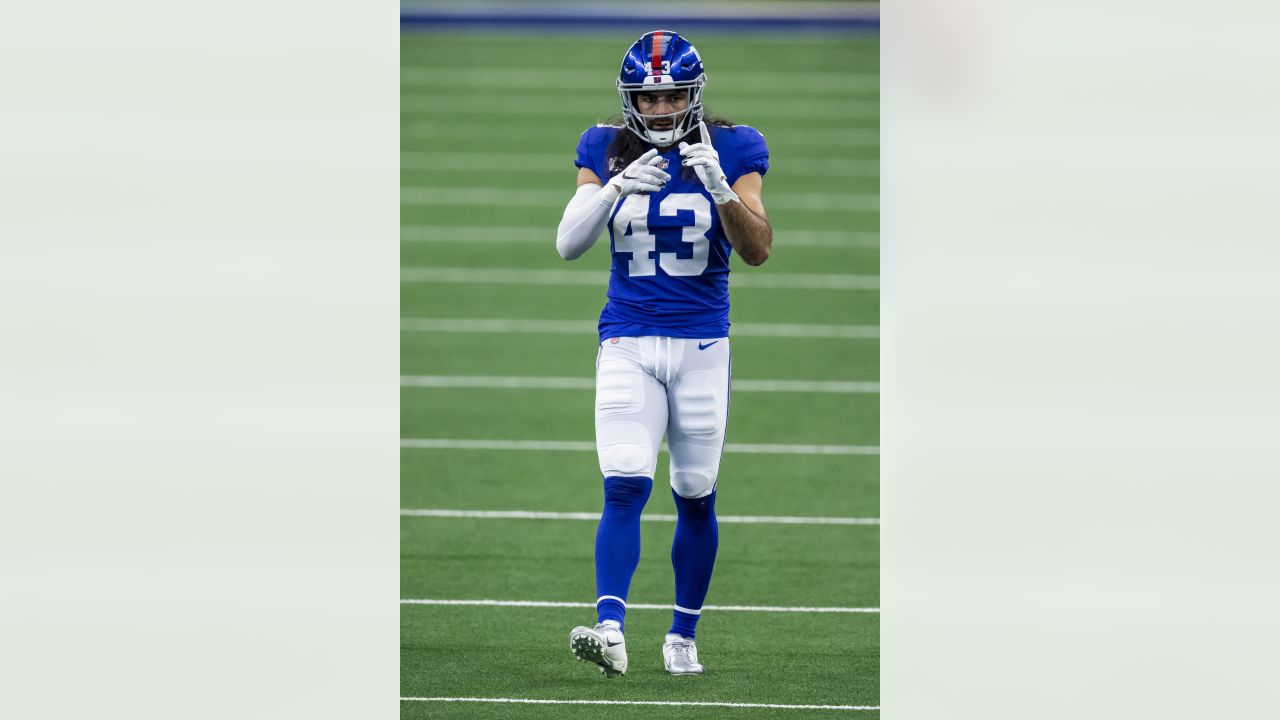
point(661, 60)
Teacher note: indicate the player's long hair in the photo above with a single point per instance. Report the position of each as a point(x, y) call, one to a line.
point(627, 146)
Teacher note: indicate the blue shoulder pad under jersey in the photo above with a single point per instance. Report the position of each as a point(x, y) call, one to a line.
point(592, 147)
point(742, 150)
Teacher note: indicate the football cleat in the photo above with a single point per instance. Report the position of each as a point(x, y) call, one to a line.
point(602, 645)
point(661, 60)
point(680, 656)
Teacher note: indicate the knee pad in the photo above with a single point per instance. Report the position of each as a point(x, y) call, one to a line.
point(692, 484)
point(624, 448)
point(623, 459)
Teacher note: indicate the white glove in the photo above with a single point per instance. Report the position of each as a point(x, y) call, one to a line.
point(641, 176)
point(588, 212)
point(705, 161)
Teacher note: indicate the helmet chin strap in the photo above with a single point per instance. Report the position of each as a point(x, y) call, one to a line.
point(662, 137)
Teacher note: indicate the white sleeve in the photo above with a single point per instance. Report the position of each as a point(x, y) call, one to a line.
point(584, 219)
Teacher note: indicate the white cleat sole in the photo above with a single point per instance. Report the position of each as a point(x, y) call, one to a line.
point(587, 648)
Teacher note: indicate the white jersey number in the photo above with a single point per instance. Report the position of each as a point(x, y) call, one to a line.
point(631, 234)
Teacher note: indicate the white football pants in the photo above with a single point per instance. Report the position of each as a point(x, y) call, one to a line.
point(648, 386)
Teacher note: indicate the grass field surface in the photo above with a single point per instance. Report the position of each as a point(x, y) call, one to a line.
point(489, 127)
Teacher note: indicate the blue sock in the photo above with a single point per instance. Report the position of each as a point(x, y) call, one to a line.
point(693, 555)
point(618, 543)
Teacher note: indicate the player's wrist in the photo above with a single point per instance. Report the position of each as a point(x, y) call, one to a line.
point(724, 197)
point(609, 194)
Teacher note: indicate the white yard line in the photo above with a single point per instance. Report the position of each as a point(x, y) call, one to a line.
point(663, 703)
point(484, 129)
point(608, 42)
point(595, 516)
point(585, 446)
point(634, 606)
point(843, 111)
point(784, 239)
point(508, 197)
point(545, 235)
point(481, 196)
point(520, 382)
point(809, 386)
point(495, 382)
point(587, 327)
point(471, 234)
point(824, 167)
point(597, 278)
point(562, 164)
point(842, 202)
point(461, 444)
point(806, 281)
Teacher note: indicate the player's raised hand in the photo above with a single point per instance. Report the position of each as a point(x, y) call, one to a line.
point(641, 176)
point(705, 161)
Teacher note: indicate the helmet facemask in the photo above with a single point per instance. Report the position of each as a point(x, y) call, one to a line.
point(683, 121)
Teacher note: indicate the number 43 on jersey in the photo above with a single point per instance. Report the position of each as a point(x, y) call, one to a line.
point(631, 234)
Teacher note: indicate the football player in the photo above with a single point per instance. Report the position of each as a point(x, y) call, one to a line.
point(678, 192)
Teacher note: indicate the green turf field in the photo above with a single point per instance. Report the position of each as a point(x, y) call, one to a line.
point(489, 123)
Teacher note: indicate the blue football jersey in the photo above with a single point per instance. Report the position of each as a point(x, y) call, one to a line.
point(670, 272)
